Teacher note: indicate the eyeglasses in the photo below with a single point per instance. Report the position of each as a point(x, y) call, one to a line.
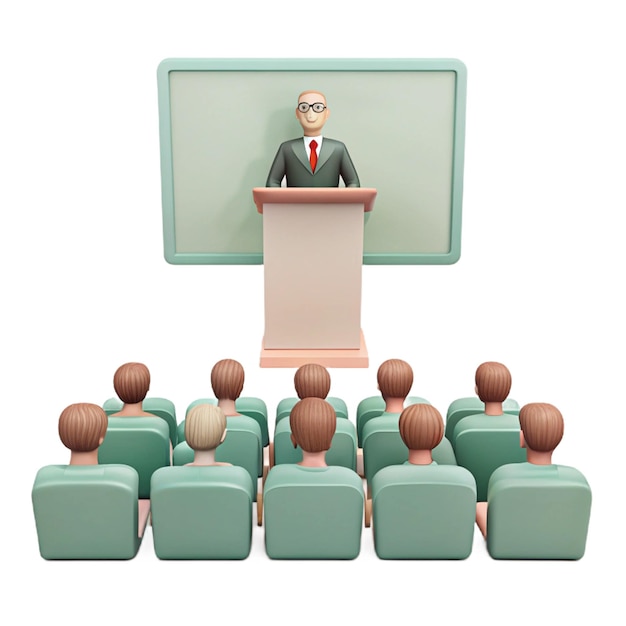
point(317, 107)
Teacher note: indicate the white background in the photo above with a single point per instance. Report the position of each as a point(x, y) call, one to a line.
point(540, 286)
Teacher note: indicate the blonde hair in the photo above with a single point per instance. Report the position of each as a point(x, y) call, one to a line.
point(542, 425)
point(312, 381)
point(131, 382)
point(204, 427)
point(313, 422)
point(227, 378)
point(82, 426)
point(421, 427)
point(395, 378)
point(493, 382)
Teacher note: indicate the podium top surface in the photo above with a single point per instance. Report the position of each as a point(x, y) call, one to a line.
point(314, 195)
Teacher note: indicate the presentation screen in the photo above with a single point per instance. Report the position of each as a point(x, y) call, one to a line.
point(222, 121)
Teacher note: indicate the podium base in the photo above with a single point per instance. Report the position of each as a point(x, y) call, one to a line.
point(357, 357)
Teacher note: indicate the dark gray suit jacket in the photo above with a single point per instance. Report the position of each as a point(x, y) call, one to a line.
point(333, 161)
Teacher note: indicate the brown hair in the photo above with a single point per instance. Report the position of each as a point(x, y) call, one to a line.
point(493, 382)
point(227, 378)
point(313, 422)
point(81, 426)
point(542, 425)
point(204, 426)
point(395, 378)
point(421, 427)
point(312, 381)
point(131, 382)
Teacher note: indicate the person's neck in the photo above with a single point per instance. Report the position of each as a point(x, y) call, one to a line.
point(132, 410)
point(394, 405)
point(493, 408)
point(538, 458)
point(204, 457)
point(313, 459)
point(420, 457)
point(84, 458)
point(228, 406)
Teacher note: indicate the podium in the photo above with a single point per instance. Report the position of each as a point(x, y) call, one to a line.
point(313, 259)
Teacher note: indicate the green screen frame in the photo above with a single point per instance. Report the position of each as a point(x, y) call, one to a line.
point(344, 71)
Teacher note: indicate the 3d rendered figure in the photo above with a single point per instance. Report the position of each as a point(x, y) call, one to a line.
point(421, 429)
point(395, 379)
point(313, 422)
point(313, 510)
point(132, 383)
point(484, 441)
point(312, 161)
point(227, 378)
point(535, 509)
point(82, 428)
point(493, 384)
point(205, 429)
point(312, 381)
point(87, 510)
point(541, 432)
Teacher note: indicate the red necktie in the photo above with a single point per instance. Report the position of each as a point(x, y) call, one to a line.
point(313, 146)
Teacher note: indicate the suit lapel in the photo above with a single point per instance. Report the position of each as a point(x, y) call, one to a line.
point(298, 149)
point(327, 149)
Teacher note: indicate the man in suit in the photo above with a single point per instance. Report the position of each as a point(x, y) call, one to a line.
point(312, 161)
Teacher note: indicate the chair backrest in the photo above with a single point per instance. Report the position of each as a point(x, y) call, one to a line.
point(249, 406)
point(374, 406)
point(242, 447)
point(482, 443)
point(201, 512)
point(537, 512)
point(283, 409)
point(86, 511)
point(463, 407)
point(383, 446)
point(312, 513)
point(423, 512)
point(160, 407)
point(342, 450)
point(141, 442)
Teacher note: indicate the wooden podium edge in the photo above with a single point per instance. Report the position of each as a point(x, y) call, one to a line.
point(354, 358)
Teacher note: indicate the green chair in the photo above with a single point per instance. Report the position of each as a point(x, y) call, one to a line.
point(383, 446)
point(87, 511)
point(537, 512)
point(141, 442)
point(482, 443)
point(423, 512)
point(374, 406)
point(250, 406)
point(463, 407)
point(161, 407)
point(201, 512)
point(313, 513)
point(342, 450)
point(286, 404)
point(241, 447)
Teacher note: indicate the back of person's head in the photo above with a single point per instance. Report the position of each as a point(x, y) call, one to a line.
point(227, 378)
point(542, 425)
point(82, 426)
point(313, 422)
point(421, 427)
point(395, 378)
point(131, 382)
point(205, 425)
point(312, 381)
point(493, 382)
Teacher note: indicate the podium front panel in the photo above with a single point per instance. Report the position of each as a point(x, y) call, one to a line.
point(313, 257)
